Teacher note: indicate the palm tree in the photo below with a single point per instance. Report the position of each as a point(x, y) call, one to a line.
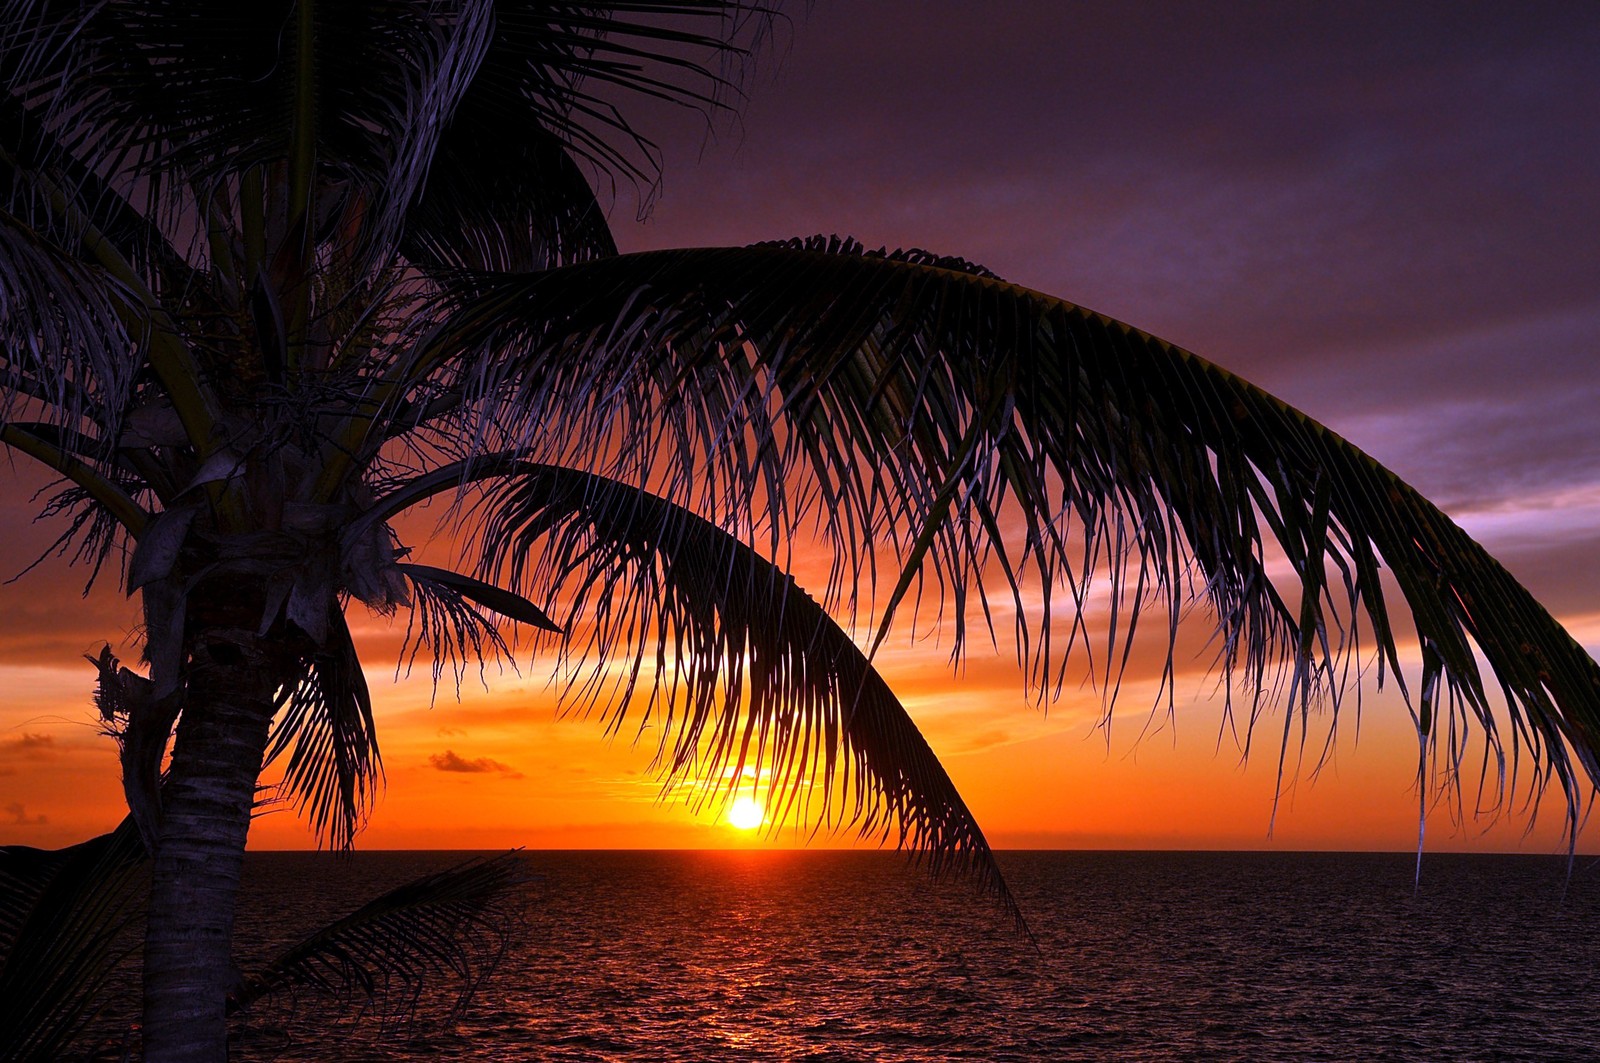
point(270, 277)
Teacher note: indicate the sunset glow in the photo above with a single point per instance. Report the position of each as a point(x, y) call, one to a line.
point(746, 813)
point(1399, 256)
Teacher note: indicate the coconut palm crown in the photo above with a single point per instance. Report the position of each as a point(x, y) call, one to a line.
point(273, 274)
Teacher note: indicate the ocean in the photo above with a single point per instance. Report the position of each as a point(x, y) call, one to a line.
point(836, 956)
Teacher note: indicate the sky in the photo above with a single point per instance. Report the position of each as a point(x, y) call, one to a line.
point(1385, 214)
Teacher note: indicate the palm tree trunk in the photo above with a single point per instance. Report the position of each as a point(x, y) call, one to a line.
point(206, 807)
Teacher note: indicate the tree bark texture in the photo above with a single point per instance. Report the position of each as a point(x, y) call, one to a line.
point(232, 676)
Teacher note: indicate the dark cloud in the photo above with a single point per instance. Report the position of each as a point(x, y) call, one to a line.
point(450, 760)
point(17, 816)
point(1361, 125)
point(1481, 453)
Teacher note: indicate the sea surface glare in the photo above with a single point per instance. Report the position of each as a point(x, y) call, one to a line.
point(816, 955)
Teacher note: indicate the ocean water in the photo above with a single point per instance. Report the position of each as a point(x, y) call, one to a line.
point(836, 956)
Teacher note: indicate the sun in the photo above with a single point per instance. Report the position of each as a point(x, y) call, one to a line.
point(747, 813)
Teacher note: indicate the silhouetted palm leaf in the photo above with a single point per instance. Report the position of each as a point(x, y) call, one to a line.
point(450, 927)
point(504, 203)
point(67, 916)
point(930, 408)
point(58, 313)
point(745, 678)
point(334, 767)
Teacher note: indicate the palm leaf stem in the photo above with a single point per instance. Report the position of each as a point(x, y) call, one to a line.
point(454, 923)
point(23, 130)
point(252, 224)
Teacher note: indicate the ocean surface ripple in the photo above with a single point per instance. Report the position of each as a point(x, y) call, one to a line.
point(836, 956)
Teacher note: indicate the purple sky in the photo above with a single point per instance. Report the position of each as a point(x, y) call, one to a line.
point(1386, 214)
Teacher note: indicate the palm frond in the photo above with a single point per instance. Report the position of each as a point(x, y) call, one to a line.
point(743, 676)
point(453, 632)
point(326, 727)
point(507, 188)
point(571, 69)
point(57, 194)
point(91, 531)
point(66, 921)
point(63, 345)
point(199, 92)
point(508, 604)
point(189, 88)
point(979, 430)
point(504, 201)
point(447, 928)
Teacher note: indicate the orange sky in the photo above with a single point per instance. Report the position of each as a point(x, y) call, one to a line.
point(499, 768)
point(1385, 219)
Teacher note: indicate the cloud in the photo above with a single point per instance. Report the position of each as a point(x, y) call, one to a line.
point(29, 747)
point(450, 760)
point(985, 740)
point(19, 816)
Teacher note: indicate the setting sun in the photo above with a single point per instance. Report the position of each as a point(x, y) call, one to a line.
point(747, 813)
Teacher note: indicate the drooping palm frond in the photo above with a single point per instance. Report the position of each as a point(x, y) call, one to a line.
point(448, 928)
point(744, 678)
point(982, 431)
point(66, 920)
point(326, 726)
point(742, 675)
point(446, 620)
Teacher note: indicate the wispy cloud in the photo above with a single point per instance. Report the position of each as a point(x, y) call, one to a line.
point(28, 746)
